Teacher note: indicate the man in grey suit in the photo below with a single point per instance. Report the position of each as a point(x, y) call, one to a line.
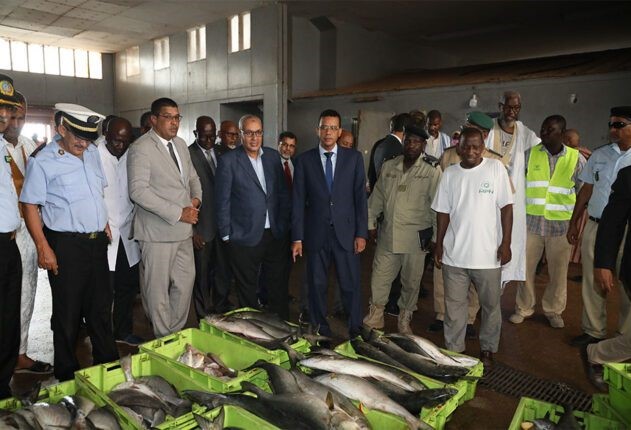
point(209, 257)
point(166, 191)
point(253, 211)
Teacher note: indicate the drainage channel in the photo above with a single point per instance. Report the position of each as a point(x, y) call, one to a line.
point(507, 380)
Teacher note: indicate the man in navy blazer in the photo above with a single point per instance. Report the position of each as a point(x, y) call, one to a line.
point(330, 220)
point(253, 211)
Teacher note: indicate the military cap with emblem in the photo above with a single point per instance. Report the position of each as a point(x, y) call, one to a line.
point(416, 131)
point(480, 119)
point(79, 120)
point(623, 111)
point(7, 92)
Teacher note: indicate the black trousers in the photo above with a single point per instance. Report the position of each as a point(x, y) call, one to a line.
point(212, 279)
point(348, 272)
point(10, 294)
point(125, 283)
point(246, 261)
point(80, 290)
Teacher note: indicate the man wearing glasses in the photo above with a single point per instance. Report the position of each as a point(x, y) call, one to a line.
point(330, 221)
point(252, 208)
point(65, 179)
point(167, 194)
point(228, 136)
point(510, 138)
point(598, 175)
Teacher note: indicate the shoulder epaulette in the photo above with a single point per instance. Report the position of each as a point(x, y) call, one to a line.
point(432, 161)
point(39, 148)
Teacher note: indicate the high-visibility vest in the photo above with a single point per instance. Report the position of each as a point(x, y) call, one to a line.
point(553, 198)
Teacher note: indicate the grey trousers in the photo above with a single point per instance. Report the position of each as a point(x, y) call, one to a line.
point(167, 275)
point(488, 284)
point(29, 282)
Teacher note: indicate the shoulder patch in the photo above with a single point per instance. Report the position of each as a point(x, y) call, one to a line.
point(432, 161)
point(36, 151)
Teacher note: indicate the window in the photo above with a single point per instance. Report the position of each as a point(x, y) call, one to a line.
point(239, 27)
point(132, 56)
point(161, 53)
point(197, 43)
point(51, 60)
point(36, 58)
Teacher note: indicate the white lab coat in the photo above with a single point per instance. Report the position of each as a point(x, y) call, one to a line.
point(525, 139)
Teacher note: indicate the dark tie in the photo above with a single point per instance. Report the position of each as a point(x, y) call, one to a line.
point(328, 170)
point(288, 178)
point(210, 161)
point(172, 152)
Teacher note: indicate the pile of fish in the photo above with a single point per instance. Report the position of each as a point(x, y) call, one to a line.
point(566, 422)
point(72, 412)
point(326, 401)
point(413, 353)
point(208, 363)
point(147, 400)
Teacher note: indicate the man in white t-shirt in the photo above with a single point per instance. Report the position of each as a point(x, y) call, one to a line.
point(474, 218)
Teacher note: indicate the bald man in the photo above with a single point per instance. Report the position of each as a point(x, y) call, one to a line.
point(229, 135)
point(123, 254)
point(346, 140)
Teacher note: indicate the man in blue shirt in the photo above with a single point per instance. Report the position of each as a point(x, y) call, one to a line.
point(10, 263)
point(65, 179)
point(598, 175)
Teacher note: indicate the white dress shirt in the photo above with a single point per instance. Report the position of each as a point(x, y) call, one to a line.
point(257, 164)
point(208, 153)
point(16, 151)
point(177, 155)
point(120, 210)
point(289, 163)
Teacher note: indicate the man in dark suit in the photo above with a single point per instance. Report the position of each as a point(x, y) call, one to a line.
point(330, 220)
point(615, 217)
point(208, 256)
point(253, 210)
point(387, 148)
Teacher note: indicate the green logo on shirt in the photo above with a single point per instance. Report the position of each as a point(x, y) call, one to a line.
point(485, 188)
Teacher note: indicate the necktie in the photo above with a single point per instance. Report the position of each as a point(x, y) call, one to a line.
point(172, 152)
point(287, 174)
point(211, 161)
point(328, 170)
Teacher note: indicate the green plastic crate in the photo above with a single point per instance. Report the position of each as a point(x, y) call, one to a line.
point(235, 352)
point(301, 345)
point(530, 409)
point(437, 416)
point(237, 417)
point(49, 394)
point(602, 408)
point(100, 379)
point(618, 376)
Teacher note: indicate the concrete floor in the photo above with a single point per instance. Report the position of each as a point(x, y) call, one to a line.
point(532, 347)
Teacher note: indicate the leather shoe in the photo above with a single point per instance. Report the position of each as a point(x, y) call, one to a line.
point(593, 371)
point(486, 357)
point(437, 325)
point(392, 309)
point(584, 339)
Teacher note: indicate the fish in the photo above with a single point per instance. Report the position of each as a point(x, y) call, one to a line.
point(267, 318)
point(363, 368)
point(103, 419)
point(419, 363)
point(206, 424)
point(567, 420)
point(420, 345)
point(207, 363)
point(415, 402)
point(368, 395)
point(367, 350)
point(238, 326)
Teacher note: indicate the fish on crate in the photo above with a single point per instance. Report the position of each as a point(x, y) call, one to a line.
point(208, 363)
point(148, 400)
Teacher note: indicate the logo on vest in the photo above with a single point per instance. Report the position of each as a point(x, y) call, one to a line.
point(486, 188)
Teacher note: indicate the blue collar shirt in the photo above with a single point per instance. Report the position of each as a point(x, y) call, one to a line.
point(10, 219)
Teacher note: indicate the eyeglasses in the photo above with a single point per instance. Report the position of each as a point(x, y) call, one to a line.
point(251, 133)
point(227, 133)
point(176, 118)
point(329, 127)
point(618, 124)
point(515, 108)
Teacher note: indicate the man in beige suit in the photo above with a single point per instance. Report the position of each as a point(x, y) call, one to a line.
point(167, 194)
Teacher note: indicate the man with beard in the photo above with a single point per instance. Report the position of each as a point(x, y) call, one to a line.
point(10, 263)
point(20, 148)
point(123, 254)
point(66, 181)
point(403, 195)
point(228, 135)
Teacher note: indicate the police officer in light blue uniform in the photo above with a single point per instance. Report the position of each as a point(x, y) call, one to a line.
point(65, 179)
point(10, 261)
point(598, 175)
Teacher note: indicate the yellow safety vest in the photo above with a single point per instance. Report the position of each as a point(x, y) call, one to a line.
point(553, 198)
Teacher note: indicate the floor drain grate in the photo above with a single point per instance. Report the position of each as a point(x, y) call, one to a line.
point(507, 380)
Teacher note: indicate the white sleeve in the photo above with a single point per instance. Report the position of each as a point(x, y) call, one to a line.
point(442, 202)
point(504, 191)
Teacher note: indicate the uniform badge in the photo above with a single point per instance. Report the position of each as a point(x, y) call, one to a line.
point(61, 152)
point(6, 89)
point(8, 158)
